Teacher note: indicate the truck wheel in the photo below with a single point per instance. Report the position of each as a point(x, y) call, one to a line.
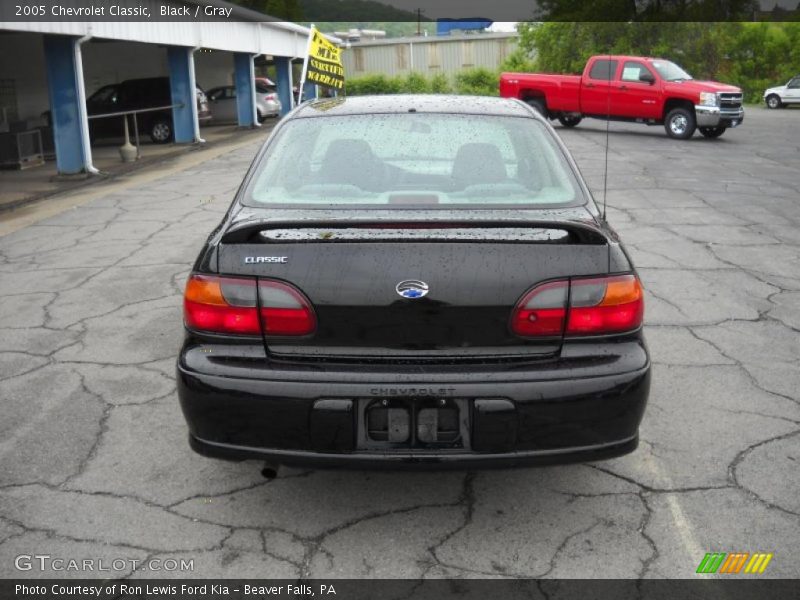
point(680, 123)
point(569, 120)
point(774, 101)
point(537, 105)
point(712, 132)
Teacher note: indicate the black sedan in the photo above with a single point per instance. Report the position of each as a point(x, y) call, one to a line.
point(413, 281)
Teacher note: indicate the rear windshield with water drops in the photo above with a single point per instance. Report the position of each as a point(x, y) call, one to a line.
point(419, 159)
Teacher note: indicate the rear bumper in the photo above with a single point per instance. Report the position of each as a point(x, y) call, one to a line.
point(411, 461)
point(586, 406)
point(713, 116)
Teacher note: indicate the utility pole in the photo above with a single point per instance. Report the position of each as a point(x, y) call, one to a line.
point(419, 21)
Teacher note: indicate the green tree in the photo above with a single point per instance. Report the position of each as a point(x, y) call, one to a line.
point(477, 82)
point(519, 61)
point(440, 84)
point(415, 83)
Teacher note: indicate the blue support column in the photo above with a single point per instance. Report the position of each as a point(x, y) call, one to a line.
point(283, 80)
point(309, 90)
point(181, 81)
point(244, 78)
point(67, 114)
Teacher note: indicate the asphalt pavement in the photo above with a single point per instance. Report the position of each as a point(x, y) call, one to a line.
point(94, 460)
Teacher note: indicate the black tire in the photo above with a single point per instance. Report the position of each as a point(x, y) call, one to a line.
point(569, 120)
point(161, 131)
point(680, 123)
point(538, 105)
point(261, 118)
point(712, 132)
point(774, 101)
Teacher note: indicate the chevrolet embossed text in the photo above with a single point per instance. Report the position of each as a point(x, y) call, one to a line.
point(411, 391)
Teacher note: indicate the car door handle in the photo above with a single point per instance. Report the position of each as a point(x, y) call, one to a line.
point(623, 87)
point(589, 85)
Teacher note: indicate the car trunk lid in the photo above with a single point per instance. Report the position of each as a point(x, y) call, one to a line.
point(353, 272)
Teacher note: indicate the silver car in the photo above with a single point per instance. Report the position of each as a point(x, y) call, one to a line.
point(223, 102)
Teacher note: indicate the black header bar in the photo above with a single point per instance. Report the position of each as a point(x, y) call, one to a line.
point(367, 11)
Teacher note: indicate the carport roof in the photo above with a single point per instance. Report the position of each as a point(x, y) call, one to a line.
point(246, 30)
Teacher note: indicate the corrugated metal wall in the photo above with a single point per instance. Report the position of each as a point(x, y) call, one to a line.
point(427, 57)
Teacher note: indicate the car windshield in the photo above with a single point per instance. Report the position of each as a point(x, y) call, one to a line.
point(422, 159)
point(670, 71)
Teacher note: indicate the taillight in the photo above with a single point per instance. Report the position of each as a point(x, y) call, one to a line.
point(285, 310)
point(596, 306)
point(270, 97)
point(230, 305)
point(541, 311)
point(221, 305)
point(605, 305)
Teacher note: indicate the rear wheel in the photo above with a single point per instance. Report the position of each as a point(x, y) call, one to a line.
point(161, 131)
point(538, 105)
point(680, 123)
point(569, 120)
point(774, 101)
point(712, 132)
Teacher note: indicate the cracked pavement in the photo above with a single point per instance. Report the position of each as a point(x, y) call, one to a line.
point(94, 460)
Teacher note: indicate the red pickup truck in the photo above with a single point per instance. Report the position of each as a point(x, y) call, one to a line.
point(631, 88)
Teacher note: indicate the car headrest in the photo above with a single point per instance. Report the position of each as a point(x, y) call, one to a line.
point(350, 161)
point(477, 163)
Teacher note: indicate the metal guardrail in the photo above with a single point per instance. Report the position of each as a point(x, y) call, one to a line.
point(125, 113)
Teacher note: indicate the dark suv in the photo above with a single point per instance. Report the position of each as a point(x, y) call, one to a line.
point(136, 94)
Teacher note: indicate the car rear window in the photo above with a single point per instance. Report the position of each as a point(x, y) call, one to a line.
point(413, 158)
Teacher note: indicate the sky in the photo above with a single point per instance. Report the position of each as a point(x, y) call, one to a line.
point(503, 26)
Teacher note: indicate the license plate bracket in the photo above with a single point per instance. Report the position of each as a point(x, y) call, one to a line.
point(413, 424)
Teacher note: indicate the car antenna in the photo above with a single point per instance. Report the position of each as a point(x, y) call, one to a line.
point(608, 123)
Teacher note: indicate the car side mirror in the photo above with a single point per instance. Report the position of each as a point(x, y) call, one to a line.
point(646, 77)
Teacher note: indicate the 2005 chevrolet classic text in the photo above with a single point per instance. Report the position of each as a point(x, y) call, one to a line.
point(413, 281)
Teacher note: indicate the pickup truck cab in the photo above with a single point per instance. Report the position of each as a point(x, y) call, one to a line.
point(653, 91)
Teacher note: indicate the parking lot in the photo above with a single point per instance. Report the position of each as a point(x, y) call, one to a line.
point(94, 460)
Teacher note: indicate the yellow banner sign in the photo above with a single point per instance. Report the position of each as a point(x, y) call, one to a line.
point(325, 62)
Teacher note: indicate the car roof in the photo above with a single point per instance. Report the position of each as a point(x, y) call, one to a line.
point(625, 57)
point(420, 103)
